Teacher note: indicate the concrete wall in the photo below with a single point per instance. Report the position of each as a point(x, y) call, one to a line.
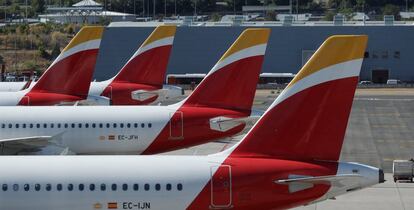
point(196, 49)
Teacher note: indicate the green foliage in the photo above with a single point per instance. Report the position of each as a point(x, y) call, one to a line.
point(391, 9)
point(38, 6)
point(270, 16)
point(55, 52)
point(42, 52)
point(215, 17)
point(329, 15)
point(30, 64)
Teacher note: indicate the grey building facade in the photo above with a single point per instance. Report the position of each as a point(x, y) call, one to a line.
point(389, 55)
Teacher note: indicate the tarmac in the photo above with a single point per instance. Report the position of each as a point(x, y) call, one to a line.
point(380, 130)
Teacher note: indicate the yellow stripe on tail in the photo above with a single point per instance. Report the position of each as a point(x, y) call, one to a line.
point(337, 49)
point(87, 33)
point(249, 38)
point(160, 32)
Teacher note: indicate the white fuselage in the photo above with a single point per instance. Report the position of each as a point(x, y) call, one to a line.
point(11, 93)
point(148, 182)
point(86, 129)
point(191, 173)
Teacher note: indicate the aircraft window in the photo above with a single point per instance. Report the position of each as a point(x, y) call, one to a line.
point(37, 125)
point(70, 187)
point(128, 125)
point(168, 187)
point(4, 187)
point(113, 187)
point(146, 187)
point(37, 187)
point(142, 125)
point(136, 187)
point(93, 125)
point(59, 125)
point(59, 187)
point(3, 125)
point(86, 125)
point(91, 187)
point(16, 187)
point(48, 187)
point(157, 187)
point(73, 125)
point(100, 125)
point(66, 125)
point(121, 125)
point(44, 125)
point(149, 125)
point(114, 125)
point(31, 125)
point(81, 187)
point(103, 187)
point(80, 125)
point(124, 187)
point(10, 125)
point(107, 125)
point(52, 125)
point(26, 187)
point(17, 125)
point(24, 125)
point(135, 125)
point(179, 187)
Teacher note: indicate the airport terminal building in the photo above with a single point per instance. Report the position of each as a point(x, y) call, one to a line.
point(197, 47)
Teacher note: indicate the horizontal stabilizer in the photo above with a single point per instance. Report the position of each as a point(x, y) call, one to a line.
point(298, 183)
point(223, 123)
point(143, 95)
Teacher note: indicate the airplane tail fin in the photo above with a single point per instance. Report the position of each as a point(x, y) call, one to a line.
point(232, 82)
point(71, 72)
point(149, 63)
point(308, 119)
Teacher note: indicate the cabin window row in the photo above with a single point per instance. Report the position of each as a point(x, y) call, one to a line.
point(91, 187)
point(77, 125)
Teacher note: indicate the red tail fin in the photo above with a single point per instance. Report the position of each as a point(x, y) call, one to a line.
point(71, 72)
point(149, 63)
point(232, 82)
point(309, 118)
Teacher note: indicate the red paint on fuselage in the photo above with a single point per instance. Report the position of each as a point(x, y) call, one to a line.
point(253, 183)
point(196, 129)
point(120, 93)
point(47, 99)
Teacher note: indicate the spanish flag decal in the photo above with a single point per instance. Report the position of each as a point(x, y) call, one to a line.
point(112, 205)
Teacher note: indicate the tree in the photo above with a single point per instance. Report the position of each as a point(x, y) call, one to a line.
point(391, 9)
point(38, 6)
point(55, 52)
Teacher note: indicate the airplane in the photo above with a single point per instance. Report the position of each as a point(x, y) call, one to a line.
point(140, 80)
point(67, 79)
point(220, 106)
point(288, 159)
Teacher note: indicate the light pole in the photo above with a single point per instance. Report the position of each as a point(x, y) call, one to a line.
point(234, 7)
point(135, 13)
point(195, 8)
point(143, 8)
point(153, 9)
point(165, 8)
